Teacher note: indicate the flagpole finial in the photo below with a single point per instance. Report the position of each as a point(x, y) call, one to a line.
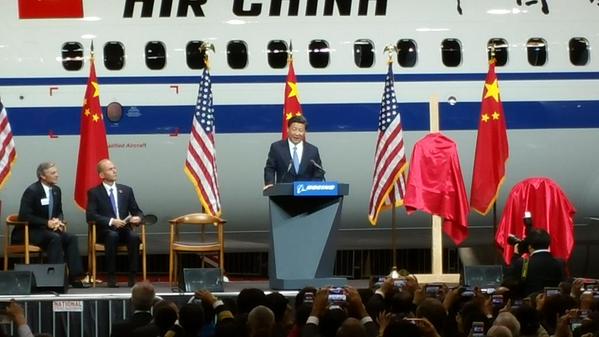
point(91, 48)
point(390, 49)
point(204, 48)
point(492, 50)
point(290, 51)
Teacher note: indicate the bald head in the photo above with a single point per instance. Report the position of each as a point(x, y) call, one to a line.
point(142, 295)
point(351, 327)
point(107, 171)
point(499, 331)
point(261, 321)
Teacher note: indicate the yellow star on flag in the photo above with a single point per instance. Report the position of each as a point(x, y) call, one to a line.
point(485, 118)
point(288, 115)
point(87, 112)
point(495, 115)
point(95, 117)
point(492, 90)
point(96, 89)
point(293, 91)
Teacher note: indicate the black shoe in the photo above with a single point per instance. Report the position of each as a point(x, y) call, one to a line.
point(131, 282)
point(112, 282)
point(78, 284)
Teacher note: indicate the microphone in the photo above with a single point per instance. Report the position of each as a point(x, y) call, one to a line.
point(318, 167)
point(287, 171)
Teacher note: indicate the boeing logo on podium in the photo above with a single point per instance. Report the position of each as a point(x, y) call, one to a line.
point(315, 188)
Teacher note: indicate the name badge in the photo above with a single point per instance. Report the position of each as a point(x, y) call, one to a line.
point(45, 201)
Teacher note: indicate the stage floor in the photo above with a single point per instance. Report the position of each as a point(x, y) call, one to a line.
point(231, 288)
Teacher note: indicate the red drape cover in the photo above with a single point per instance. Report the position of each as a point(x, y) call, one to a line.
point(435, 184)
point(550, 209)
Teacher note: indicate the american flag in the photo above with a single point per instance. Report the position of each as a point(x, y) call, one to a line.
point(200, 164)
point(7, 146)
point(388, 181)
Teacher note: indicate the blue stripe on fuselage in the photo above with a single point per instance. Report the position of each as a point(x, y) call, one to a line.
point(322, 117)
point(341, 78)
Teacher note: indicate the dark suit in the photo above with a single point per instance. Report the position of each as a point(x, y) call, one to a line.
point(34, 210)
point(99, 210)
point(124, 328)
point(543, 270)
point(279, 164)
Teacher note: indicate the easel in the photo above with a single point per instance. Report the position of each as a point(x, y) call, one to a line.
point(436, 231)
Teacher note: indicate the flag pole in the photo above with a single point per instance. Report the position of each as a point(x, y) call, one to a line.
point(495, 260)
point(390, 49)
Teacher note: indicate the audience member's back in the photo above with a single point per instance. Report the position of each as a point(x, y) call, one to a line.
point(351, 327)
point(165, 315)
point(191, 318)
point(331, 321)
point(433, 310)
point(401, 328)
point(281, 309)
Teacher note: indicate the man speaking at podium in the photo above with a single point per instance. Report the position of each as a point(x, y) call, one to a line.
point(293, 159)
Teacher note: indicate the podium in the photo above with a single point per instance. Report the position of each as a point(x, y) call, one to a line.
point(303, 215)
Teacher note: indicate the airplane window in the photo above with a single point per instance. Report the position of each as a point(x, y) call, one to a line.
point(155, 55)
point(114, 55)
point(407, 53)
point(114, 112)
point(72, 56)
point(451, 52)
point(579, 51)
point(237, 54)
point(194, 55)
point(499, 48)
point(319, 53)
point(364, 53)
point(537, 52)
point(277, 54)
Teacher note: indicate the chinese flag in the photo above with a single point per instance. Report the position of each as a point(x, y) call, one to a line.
point(292, 104)
point(492, 149)
point(92, 144)
point(50, 9)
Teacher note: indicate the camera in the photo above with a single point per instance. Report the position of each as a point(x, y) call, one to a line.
point(467, 292)
point(433, 290)
point(497, 301)
point(478, 329)
point(552, 291)
point(521, 242)
point(308, 297)
point(337, 296)
point(399, 283)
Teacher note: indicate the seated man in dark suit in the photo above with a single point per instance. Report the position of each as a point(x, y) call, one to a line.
point(142, 300)
point(293, 159)
point(41, 207)
point(114, 209)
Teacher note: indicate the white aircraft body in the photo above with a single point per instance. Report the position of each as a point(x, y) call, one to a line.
point(552, 108)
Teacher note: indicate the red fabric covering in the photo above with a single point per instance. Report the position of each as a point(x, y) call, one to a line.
point(436, 186)
point(551, 210)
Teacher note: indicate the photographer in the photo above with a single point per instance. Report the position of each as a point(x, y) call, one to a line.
point(540, 269)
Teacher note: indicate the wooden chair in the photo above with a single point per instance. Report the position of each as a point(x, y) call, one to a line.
point(201, 246)
point(93, 248)
point(24, 248)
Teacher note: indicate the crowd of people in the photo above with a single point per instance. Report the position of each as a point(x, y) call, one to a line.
point(394, 307)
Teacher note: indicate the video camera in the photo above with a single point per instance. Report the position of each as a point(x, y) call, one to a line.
point(522, 242)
